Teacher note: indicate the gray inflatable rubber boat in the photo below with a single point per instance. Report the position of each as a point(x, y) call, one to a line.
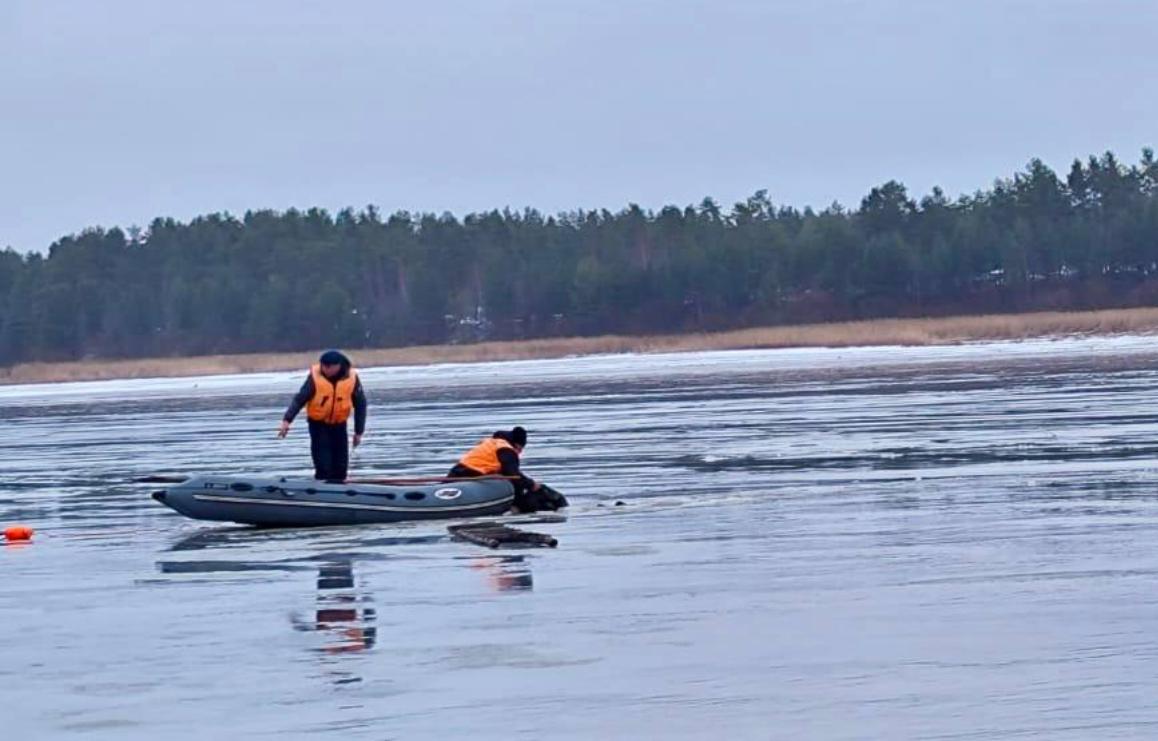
point(285, 502)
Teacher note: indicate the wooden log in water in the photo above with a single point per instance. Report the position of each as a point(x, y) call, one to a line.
point(491, 535)
point(478, 538)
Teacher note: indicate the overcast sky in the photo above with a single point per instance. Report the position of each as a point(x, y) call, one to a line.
point(113, 112)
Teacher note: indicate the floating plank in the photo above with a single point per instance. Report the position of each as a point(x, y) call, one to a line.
point(490, 535)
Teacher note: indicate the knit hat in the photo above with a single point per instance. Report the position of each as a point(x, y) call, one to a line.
point(332, 357)
point(518, 436)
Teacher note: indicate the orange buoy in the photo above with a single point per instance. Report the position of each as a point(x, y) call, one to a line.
point(18, 532)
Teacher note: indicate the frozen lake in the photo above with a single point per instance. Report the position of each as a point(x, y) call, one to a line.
point(905, 543)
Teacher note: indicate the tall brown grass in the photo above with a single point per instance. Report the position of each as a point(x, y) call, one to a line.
point(947, 330)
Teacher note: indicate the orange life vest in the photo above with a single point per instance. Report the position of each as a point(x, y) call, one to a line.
point(332, 402)
point(484, 457)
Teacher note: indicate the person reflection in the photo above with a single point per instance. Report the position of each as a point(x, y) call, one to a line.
point(505, 573)
point(341, 615)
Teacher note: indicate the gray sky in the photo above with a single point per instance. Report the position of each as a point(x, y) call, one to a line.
point(113, 112)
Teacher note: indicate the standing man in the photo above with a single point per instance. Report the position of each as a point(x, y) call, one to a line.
point(330, 393)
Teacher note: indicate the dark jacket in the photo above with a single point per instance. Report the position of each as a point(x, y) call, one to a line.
point(509, 459)
point(306, 392)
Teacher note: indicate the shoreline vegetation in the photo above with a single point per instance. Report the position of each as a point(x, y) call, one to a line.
point(493, 283)
point(873, 332)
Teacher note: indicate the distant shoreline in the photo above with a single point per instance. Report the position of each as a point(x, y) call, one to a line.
point(874, 332)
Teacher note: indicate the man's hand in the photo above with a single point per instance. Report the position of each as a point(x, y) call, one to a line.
point(284, 429)
point(357, 439)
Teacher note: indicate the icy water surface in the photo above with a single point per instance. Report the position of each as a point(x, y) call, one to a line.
point(927, 543)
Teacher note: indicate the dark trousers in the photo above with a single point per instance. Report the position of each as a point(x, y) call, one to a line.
point(459, 471)
point(330, 449)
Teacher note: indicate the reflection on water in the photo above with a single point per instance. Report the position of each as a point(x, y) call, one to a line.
point(505, 573)
point(954, 543)
point(343, 615)
point(343, 620)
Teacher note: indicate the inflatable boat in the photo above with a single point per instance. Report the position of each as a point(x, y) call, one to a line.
point(283, 502)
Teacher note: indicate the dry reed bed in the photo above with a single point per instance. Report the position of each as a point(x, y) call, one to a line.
point(947, 330)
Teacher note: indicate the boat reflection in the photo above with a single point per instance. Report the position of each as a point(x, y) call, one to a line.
point(344, 621)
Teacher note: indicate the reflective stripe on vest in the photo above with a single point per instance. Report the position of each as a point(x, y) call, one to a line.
point(484, 457)
point(332, 402)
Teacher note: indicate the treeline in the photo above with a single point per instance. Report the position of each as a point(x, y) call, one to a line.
point(296, 280)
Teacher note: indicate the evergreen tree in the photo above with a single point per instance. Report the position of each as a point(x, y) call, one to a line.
point(298, 280)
